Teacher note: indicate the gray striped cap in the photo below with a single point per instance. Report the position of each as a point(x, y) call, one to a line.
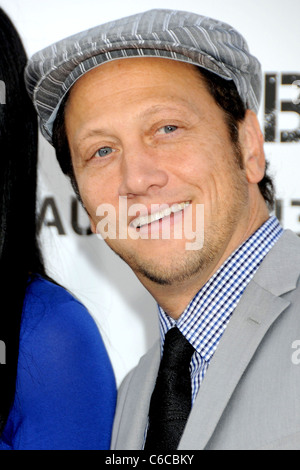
point(177, 35)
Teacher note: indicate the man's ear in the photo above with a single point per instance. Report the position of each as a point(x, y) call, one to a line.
point(252, 145)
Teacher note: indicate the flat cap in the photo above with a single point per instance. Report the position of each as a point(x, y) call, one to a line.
point(170, 34)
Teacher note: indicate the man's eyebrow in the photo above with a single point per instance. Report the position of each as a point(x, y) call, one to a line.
point(164, 107)
point(156, 109)
point(91, 133)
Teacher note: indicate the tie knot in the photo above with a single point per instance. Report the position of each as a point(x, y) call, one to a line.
point(177, 349)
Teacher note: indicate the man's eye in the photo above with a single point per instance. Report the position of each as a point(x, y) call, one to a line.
point(103, 152)
point(167, 129)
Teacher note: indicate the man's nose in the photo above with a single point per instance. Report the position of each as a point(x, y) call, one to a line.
point(140, 173)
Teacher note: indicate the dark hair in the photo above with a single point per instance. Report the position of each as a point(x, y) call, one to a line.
point(61, 145)
point(225, 95)
point(19, 252)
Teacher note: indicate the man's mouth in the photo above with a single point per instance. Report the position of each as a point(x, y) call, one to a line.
point(140, 221)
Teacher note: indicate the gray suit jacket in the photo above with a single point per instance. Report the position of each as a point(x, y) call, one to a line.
point(250, 397)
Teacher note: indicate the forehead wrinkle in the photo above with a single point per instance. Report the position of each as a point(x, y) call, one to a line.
point(155, 109)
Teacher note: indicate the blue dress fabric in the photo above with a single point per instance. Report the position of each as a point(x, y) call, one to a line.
point(66, 392)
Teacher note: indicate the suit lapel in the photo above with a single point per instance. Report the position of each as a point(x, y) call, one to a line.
point(256, 312)
point(258, 308)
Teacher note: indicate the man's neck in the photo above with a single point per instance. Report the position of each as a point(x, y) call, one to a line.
point(173, 299)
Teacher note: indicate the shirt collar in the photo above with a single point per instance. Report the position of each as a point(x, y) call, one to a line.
point(205, 318)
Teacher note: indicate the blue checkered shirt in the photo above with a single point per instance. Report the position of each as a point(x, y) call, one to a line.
point(204, 320)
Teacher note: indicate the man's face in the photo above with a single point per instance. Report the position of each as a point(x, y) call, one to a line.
point(148, 131)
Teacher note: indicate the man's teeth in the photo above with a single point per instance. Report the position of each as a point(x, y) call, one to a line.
point(148, 219)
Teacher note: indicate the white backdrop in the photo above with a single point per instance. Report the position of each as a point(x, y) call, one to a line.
point(123, 310)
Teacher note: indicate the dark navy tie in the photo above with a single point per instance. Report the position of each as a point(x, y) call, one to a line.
point(171, 399)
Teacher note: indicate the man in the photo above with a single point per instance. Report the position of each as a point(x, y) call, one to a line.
point(154, 116)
